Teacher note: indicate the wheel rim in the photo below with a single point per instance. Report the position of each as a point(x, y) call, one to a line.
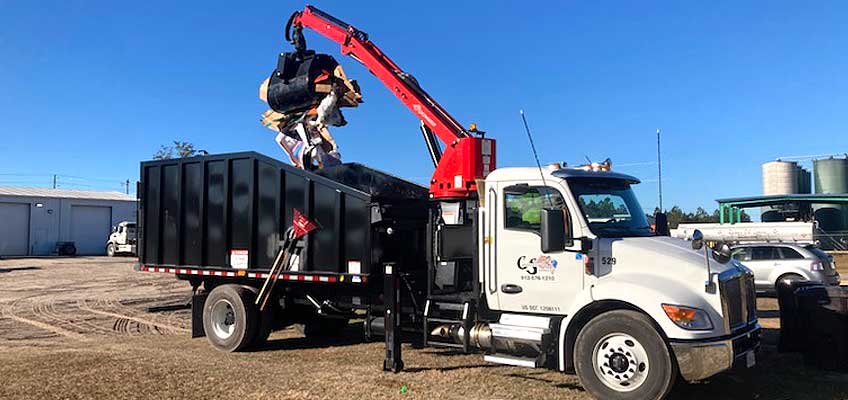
point(223, 319)
point(620, 362)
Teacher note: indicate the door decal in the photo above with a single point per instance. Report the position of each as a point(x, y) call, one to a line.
point(539, 268)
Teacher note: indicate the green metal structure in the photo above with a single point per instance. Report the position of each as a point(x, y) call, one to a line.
point(730, 210)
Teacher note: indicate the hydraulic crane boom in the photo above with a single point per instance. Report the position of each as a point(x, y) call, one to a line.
point(466, 158)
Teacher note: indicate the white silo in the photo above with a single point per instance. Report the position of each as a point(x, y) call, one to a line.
point(780, 177)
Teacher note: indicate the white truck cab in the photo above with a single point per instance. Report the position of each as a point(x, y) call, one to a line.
point(122, 240)
point(573, 246)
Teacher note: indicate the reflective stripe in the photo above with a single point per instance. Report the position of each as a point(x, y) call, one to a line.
point(254, 275)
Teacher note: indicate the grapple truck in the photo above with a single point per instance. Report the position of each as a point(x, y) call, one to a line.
point(551, 267)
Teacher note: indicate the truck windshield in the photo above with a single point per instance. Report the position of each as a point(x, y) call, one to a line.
point(610, 207)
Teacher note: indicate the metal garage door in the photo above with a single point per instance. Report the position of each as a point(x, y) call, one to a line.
point(90, 228)
point(14, 237)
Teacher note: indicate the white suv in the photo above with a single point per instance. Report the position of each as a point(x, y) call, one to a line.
point(773, 262)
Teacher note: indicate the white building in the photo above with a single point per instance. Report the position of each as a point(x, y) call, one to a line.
point(33, 220)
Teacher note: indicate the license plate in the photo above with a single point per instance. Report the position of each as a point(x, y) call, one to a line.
point(750, 359)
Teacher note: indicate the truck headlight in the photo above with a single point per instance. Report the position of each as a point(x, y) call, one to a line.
point(688, 317)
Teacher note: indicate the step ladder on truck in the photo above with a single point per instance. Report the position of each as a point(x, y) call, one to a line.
point(522, 265)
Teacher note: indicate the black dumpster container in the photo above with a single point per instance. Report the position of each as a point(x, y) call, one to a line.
point(794, 325)
point(826, 310)
point(199, 211)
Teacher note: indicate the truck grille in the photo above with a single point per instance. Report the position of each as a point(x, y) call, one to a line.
point(739, 300)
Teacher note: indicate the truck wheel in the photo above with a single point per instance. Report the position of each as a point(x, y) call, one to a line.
point(110, 250)
point(620, 355)
point(230, 318)
point(265, 319)
point(319, 327)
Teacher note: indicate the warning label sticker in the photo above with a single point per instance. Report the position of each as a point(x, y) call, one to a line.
point(238, 259)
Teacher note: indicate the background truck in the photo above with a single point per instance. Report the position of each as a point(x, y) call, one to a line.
point(122, 240)
point(543, 267)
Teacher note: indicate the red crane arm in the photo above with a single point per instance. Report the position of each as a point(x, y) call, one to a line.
point(466, 158)
point(355, 43)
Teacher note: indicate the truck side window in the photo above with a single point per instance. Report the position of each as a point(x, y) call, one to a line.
point(524, 211)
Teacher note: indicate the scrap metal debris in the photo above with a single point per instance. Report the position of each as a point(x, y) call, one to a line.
point(306, 94)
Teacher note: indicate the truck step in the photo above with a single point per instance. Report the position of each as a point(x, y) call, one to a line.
point(449, 306)
point(515, 361)
point(445, 320)
point(445, 344)
point(527, 333)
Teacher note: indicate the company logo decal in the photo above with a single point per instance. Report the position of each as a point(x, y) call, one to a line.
point(540, 268)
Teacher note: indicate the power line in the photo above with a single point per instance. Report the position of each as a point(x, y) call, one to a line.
point(57, 181)
point(9, 174)
point(636, 164)
point(92, 179)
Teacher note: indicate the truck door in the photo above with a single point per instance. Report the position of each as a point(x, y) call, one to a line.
point(528, 280)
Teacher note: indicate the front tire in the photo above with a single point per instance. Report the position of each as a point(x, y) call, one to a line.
point(620, 355)
point(230, 318)
point(110, 250)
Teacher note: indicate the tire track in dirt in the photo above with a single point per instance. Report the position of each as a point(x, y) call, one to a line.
point(9, 312)
point(123, 325)
point(48, 309)
point(161, 326)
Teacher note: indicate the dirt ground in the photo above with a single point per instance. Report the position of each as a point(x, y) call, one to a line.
point(80, 328)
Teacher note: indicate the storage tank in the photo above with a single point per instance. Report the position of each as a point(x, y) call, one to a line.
point(831, 177)
point(780, 177)
point(804, 185)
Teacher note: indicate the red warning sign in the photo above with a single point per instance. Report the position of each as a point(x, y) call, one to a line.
point(302, 225)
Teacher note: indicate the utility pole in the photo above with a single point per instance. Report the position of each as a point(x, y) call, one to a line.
point(127, 184)
point(54, 181)
point(659, 169)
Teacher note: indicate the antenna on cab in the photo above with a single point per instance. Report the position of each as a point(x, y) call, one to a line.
point(536, 156)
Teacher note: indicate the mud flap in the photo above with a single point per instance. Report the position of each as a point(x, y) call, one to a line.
point(198, 300)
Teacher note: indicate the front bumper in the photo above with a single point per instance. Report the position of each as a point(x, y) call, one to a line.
point(699, 360)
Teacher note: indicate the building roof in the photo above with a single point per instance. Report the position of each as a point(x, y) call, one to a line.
point(756, 201)
point(64, 193)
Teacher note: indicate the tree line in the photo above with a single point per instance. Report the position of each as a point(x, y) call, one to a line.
point(676, 216)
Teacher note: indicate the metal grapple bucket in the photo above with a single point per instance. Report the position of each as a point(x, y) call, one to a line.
point(292, 86)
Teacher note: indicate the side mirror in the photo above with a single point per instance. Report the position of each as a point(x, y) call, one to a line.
point(661, 225)
point(722, 254)
point(697, 240)
point(555, 230)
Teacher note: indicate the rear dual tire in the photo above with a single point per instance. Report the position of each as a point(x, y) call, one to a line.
point(230, 318)
point(232, 321)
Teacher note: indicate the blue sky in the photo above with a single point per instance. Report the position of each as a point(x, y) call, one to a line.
point(90, 88)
